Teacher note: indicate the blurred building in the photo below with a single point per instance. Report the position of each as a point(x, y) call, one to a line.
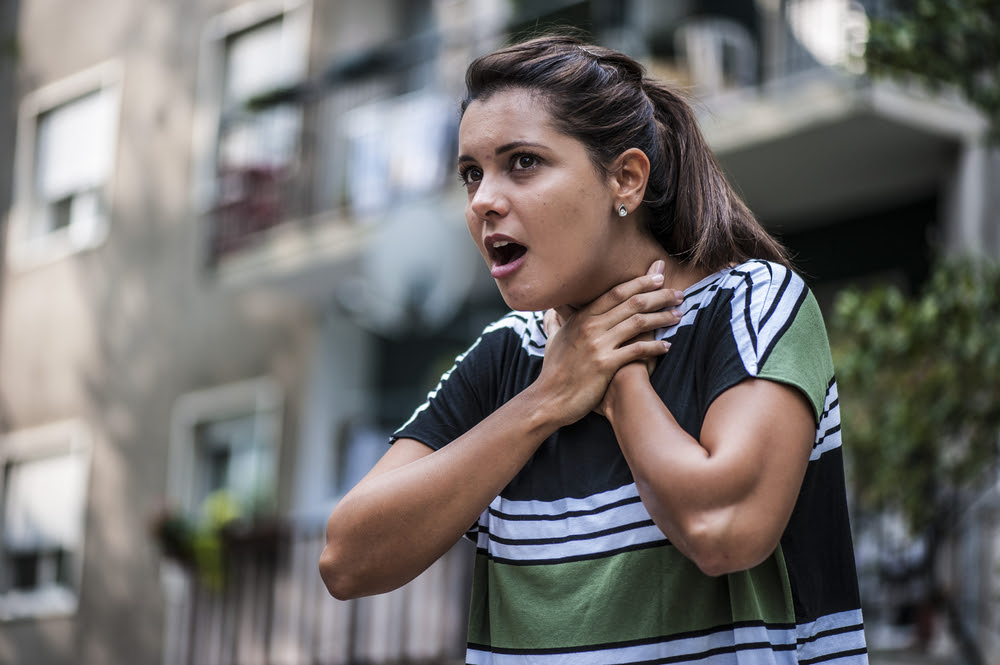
point(235, 258)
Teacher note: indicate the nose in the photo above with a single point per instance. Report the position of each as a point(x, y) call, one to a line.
point(488, 199)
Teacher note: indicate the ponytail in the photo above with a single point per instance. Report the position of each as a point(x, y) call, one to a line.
point(693, 210)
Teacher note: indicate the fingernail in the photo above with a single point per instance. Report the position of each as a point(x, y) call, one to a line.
point(679, 295)
point(666, 346)
point(657, 278)
point(676, 312)
point(658, 267)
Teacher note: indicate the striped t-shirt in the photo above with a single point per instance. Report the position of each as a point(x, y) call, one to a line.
point(569, 566)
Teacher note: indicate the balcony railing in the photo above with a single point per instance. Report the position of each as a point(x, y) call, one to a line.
point(341, 150)
point(272, 608)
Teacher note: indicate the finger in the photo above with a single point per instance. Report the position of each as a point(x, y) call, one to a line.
point(637, 325)
point(659, 300)
point(624, 291)
point(640, 350)
point(551, 322)
point(564, 312)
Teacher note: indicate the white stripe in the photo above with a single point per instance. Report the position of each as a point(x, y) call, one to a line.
point(831, 419)
point(566, 505)
point(721, 640)
point(528, 529)
point(835, 643)
point(764, 288)
point(577, 548)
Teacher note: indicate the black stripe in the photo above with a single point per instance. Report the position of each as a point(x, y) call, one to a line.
point(571, 559)
point(747, 321)
point(832, 430)
point(777, 298)
point(560, 516)
point(711, 286)
point(569, 539)
point(833, 656)
point(784, 327)
point(829, 408)
point(830, 632)
point(662, 639)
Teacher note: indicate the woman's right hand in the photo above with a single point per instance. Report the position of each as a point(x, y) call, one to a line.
point(586, 347)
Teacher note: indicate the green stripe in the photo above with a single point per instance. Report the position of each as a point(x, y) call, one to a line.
point(801, 357)
point(639, 595)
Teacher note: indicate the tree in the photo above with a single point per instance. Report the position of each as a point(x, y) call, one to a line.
point(920, 389)
point(942, 43)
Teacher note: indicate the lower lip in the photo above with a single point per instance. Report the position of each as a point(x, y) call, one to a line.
point(507, 269)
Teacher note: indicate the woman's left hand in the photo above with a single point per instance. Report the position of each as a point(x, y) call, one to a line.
point(553, 320)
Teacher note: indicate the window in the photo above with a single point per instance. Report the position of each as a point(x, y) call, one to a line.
point(246, 146)
point(44, 488)
point(390, 163)
point(65, 159)
point(225, 439)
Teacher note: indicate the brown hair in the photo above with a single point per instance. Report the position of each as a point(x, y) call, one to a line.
point(604, 99)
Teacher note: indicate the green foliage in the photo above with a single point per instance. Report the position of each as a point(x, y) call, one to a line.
point(942, 43)
point(198, 542)
point(919, 381)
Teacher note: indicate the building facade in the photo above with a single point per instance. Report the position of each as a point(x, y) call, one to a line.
point(235, 258)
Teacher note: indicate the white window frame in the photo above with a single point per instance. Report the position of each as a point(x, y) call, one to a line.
point(56, 439)
point(296, 16)
point(27, 247)
point(261, 396)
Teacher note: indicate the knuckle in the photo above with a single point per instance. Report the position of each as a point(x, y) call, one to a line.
point(621, 292)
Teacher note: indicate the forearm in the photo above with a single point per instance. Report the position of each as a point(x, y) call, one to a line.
point(393, 525)
point(672, 471)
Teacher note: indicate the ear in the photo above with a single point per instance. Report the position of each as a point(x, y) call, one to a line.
point(629, 175)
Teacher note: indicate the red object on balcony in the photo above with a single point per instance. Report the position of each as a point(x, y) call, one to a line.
point(251, 200)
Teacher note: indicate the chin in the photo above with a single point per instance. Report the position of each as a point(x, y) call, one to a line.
point(522, 302)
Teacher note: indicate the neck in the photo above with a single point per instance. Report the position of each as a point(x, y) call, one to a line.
point(676, 275)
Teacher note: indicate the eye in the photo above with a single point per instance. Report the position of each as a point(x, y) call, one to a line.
point(522, 161)
point(469, 174)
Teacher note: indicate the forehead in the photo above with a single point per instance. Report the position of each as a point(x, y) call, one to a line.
point(507, 115)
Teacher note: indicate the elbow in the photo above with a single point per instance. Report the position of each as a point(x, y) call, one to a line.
point(718, 547)
point(340, 581)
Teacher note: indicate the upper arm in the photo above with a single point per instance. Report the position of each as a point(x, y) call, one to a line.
point(400, 453)
point(760, 434)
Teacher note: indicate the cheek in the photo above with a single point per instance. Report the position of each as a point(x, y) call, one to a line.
point(473, 225)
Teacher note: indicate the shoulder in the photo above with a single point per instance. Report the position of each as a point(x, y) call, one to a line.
point(758, 274)
point(521, 330)
point(763, 293)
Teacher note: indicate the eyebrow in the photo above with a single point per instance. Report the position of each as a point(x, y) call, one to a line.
point(506, 147)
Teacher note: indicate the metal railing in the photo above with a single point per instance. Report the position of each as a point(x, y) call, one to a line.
point(272, 608)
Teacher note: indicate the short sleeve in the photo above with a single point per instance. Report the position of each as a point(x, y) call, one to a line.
point(462, 398)
point(773, 330)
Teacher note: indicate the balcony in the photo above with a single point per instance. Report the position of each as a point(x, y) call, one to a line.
point(272, 607)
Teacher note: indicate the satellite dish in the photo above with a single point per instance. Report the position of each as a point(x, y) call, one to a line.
point(417, 270)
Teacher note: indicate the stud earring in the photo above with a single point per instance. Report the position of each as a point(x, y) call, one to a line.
point(622, 210)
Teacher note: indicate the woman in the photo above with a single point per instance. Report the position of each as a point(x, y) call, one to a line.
point(629, 504)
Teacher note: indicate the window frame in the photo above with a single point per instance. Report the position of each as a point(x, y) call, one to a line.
point(296, 16)
point(28, 248)
point(260, 396)
point(69, 437)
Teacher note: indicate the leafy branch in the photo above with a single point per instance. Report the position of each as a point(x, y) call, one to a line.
point(920, 387)
point(942, 43)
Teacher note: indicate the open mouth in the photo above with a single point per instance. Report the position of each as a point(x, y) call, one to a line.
point(503, 252)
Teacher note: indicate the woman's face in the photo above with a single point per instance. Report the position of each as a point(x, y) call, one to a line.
point(542, 217)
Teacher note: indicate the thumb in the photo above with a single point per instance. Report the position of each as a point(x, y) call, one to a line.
point(563, 312)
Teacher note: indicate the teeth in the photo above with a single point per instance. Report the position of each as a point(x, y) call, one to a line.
point(500, 243)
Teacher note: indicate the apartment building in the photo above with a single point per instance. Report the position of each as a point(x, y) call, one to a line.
point(235, 258)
